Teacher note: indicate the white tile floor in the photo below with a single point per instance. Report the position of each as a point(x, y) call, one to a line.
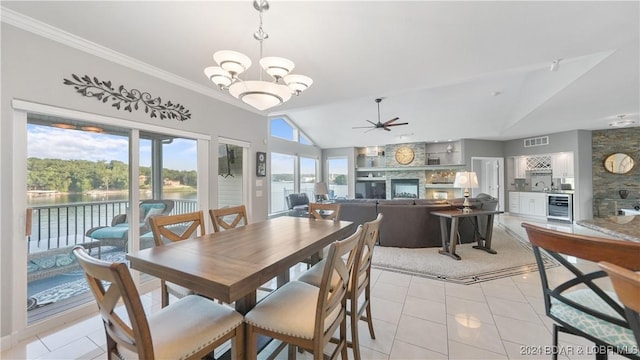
point(414, 318)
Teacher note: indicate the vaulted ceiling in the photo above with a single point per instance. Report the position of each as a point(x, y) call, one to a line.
point(451, 69)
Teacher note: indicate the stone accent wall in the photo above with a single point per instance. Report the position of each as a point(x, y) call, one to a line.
point(420, 175)
point(606, 184)
point(418, 148)
point(419, 160)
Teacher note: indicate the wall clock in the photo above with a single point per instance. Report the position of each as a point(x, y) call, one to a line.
point(261, 164)
point(405, 155)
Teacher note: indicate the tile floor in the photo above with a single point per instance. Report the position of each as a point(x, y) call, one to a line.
point(414, 318)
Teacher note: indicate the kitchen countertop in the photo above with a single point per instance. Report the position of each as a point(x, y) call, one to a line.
point(623, 227)
point(570, 192)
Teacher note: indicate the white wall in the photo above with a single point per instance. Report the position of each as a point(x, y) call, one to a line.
point(33, 69)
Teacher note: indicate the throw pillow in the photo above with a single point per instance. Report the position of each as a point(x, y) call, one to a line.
point(151, 212)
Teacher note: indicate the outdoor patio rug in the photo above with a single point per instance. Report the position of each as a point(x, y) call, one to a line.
point(67, 289)
point(514, 257)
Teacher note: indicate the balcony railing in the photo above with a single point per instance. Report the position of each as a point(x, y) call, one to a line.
point(63, 225)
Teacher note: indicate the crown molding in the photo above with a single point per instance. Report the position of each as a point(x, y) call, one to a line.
point(45, 30)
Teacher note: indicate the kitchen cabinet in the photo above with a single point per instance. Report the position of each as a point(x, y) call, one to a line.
point(562, 165)
point(514, 202)
point(519, 167)
point(532, 203)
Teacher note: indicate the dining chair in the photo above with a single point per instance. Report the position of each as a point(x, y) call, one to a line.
point(238, 214)
point(321, 211)
point(171, 228)
point(306, 316)
point(324, 211)
point(626, 283)
point(221, 221)
point(359, 283)
point(578, 305)
point(190, 328)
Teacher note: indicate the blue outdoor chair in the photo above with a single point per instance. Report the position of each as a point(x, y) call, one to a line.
point(118, 233)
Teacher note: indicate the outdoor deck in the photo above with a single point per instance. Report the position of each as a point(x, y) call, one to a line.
point(55, 281)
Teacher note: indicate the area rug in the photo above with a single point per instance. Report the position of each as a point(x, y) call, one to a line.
point(514, 257)
point(68, 289)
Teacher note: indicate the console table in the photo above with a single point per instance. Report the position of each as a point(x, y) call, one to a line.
point(449, 236)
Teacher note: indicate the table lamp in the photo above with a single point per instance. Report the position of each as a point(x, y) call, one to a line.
point(466, 180)
point(320, 191)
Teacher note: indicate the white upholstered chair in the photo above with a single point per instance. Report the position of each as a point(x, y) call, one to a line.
point(306, 316)
point(189, 328)
point(360, 282)
point(228, 218)
point(172, 228)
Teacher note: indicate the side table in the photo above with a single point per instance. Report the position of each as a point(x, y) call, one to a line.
point(449, 236)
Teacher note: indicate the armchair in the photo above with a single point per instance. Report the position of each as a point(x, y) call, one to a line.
point(298, 204)
point(118, 233)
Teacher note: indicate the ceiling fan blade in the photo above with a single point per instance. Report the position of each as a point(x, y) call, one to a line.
point(372, 123)
point(390, 121)
point(386, 128)
point(398, 124)
point(363, 127)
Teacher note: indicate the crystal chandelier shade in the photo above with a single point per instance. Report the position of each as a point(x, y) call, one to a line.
point(259, 94)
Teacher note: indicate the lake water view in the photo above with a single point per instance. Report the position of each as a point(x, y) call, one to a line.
point(62, 219)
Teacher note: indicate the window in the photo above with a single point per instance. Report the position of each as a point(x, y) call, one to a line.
point(283, 128)
point(304, 140)
point(282, 180)
point(280, 128)
point(308, 176)
point(337, 170)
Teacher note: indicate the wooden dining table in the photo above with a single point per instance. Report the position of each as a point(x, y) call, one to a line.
point(231, 265)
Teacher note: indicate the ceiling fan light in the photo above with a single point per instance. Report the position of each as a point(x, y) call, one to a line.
point(218, 76)
point(277, 67)
point(232, 61)
point(298, 83)
point(621, 122)
point(261, 95)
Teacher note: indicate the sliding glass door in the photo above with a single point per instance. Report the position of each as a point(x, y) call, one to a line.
point(80, 184)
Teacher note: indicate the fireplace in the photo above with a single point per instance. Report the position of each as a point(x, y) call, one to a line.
point(405, 188)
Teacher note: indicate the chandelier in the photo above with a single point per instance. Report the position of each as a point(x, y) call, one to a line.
point(260, 94)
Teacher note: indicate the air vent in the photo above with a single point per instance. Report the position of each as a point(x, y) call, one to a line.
point(537, 141)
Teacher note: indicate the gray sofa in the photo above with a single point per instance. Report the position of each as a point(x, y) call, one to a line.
point(409, 223)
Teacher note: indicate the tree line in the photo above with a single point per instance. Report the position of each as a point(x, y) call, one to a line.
point(77, 176)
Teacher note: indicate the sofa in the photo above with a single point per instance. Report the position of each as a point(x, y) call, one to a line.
point(408, 223)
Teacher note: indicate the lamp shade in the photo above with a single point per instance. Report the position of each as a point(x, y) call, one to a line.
point(466, 179)
point(261, 95)
point(298, 83)
point(218, 76)
point(232, 61)
point(276, 66)
point(320, 188)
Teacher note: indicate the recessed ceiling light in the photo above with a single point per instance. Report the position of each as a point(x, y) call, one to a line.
point(495, 93)
point(92, 129)
point(63, 126)
point(622, 122)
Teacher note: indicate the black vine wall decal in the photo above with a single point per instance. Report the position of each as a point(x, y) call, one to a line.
point(130, 99)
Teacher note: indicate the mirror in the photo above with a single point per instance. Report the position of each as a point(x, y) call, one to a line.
point(619, 163)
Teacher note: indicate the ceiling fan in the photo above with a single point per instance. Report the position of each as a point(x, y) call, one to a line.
point(381, 125)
